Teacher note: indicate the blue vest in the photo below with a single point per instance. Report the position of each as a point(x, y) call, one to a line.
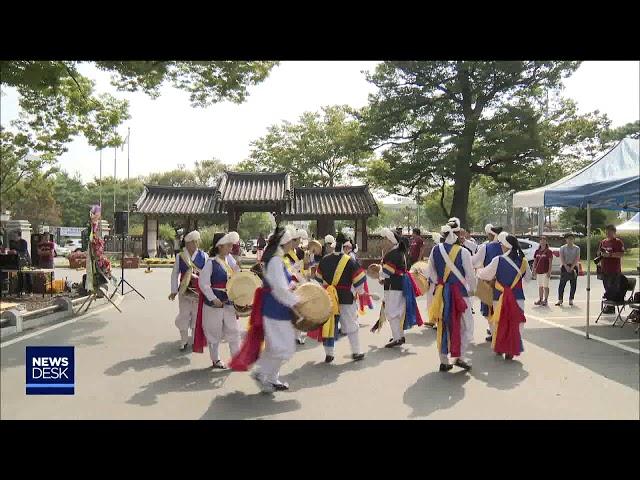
point(492, 250)
point(440, 265)
point(219, 276)
point(506, 274)
point(271, 307)
point(198, 262)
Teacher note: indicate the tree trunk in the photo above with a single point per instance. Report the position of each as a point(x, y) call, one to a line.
point(462, 177)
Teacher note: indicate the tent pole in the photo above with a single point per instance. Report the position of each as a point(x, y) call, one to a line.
point(513, 220)
point(588, 263)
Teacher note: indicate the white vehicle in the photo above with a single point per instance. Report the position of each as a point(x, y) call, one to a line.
point(60, 251)
point(74, 245)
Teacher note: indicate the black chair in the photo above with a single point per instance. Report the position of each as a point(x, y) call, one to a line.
point(635, 310)
point(621, 304)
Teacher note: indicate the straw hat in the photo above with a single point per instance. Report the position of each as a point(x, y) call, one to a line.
point(373, 270)
point(315, 305)
point(242, 286)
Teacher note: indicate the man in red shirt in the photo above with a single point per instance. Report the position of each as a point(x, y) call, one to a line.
point(543, 259)
point(611, 250)
point(416, 249)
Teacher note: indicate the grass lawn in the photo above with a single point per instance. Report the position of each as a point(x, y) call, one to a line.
point(631, 258)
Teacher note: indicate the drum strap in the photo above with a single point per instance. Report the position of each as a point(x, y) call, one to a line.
point(191, 267)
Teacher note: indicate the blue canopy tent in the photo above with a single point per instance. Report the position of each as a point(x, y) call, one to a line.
point(611, 182)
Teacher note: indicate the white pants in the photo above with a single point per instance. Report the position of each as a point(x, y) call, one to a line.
point(219, 323)
point(394, 309)
point(186, 319)
point(349, 326)
point(466, 333)
point(280, 345)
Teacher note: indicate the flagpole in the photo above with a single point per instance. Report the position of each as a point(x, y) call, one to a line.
point(128, 152)
point(100, 189)
point(115, 153)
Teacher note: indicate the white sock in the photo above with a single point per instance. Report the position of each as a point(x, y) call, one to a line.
point(213, 352)
point(354, 340)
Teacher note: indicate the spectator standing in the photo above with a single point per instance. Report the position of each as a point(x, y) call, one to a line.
point(611, 251)
point(569, 259)
point(260, 247)
point(416, 248)
point(542, 267)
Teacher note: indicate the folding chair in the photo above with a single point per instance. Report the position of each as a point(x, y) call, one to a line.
point(634, 305)
point(619, 305)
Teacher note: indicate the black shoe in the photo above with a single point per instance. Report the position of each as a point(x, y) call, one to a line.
point(488, 331)
point(299, 342)
point(328, 359)
point(462, 364)
point(393, 343)
point(357, 356)
point(402, 340)
point(281, 386)
point(219, 365)
point(184, 347)
point(508, 357)
point(489, 338)
point(445, 368)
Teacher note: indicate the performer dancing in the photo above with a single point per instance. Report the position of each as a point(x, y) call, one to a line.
point(340, 275)
point(483, 257)
point(271, 319)
point(294, 260)
point(509, 269)
point(451, 268)
point(400, 290)
point(189, 262)
point(217, 317)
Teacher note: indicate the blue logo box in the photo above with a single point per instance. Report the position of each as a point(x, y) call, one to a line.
point(50, 371)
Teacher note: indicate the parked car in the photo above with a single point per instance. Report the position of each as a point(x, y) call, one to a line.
point(74, 245)
point(60, 251)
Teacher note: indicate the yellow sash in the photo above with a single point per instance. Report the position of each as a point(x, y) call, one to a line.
point(495, 318)
point(186, 278)
point(436, 311)
point(295, 258)
point(329, 328)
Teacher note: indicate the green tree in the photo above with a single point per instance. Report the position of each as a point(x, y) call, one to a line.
point(179, 177)
point(58, 102)
point(73, 196)
point(444, 122)
point(575, 219)
point(18, 167)
point(135, 185)
point(631, 129)
point(206, 172)
point(253, 223)
point(321, 149)
point(36, 201)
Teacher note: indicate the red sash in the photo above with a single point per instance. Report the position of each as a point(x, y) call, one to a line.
point(250, 348)
point(199, 338)
point(508, 339)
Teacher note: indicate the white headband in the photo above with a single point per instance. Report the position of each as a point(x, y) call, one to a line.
point(488, 228)
point(436, 237)
point(448, 231)
point(286, 237)
point(330, 240)
point(302, 234)
point(231, 237)
point(502, 238)
point(192, 236)
point(455, 220)
point(388, 234)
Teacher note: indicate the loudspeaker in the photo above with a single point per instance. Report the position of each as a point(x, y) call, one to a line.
point(121, 223)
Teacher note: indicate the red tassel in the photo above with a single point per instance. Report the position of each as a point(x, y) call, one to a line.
point(199, 338)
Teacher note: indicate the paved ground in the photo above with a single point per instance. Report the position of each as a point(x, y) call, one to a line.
point(129, 367)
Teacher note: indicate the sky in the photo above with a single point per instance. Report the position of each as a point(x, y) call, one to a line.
point(167, 131)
